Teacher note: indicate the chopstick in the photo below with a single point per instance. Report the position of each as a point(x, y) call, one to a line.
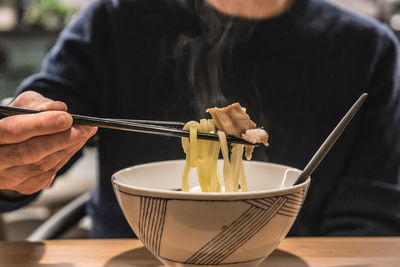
point(173, 124)
point(166, 128)
point(330, 141)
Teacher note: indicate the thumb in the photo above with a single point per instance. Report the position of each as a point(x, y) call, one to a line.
point(34, 100)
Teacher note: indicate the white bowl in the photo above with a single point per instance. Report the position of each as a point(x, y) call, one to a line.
point(209, 229)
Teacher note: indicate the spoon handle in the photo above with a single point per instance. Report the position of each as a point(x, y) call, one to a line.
point(329, 141)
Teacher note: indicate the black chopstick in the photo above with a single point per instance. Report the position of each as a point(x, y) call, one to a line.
point(173, 124)
point(166, 128)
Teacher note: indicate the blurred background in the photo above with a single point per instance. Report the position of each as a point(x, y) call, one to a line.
point(28, 29)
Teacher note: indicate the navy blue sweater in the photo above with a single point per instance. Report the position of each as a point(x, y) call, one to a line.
point(297, 74)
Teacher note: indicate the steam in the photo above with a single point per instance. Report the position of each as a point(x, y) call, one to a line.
point(208, 58)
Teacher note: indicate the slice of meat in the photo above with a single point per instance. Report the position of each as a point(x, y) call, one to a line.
point(254, 136)
point(257, 135)
point(232, 119)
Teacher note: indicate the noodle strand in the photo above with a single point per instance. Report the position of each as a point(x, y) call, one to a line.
point(203, 155)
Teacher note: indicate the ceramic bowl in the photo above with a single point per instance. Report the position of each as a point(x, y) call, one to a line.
point(209, 229)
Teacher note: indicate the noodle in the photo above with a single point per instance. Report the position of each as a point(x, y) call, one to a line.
point(203, 155)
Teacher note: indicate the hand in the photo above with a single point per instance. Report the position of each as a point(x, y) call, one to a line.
point(34, 147)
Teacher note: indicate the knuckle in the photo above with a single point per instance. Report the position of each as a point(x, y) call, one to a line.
point(11, 128)
point(36, 183)
point(63, 155)
point(30, 99)
point(59, 141)
point(37, 167)
point(48, 163)
point(21, 99)
point(25, 154)
point(26, 99)
point(42, 122)
point(12, 158)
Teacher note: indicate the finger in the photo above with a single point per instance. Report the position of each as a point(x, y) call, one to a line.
point(49, 177)
point(36, 183)
point(34, 100)
point(16, 129)
point(37, 148)
point(65, 160)
point(14, 176)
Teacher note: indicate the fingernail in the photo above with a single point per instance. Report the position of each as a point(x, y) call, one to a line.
point(62, 122)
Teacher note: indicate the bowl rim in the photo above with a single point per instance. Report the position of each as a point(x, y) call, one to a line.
point(202, 196)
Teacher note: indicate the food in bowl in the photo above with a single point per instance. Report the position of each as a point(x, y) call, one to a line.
point(204, 228)
point(203, 155)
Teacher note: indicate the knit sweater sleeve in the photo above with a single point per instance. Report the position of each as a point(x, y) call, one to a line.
point(366, 201)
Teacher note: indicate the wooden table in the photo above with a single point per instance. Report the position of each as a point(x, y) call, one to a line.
point(293, 252)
